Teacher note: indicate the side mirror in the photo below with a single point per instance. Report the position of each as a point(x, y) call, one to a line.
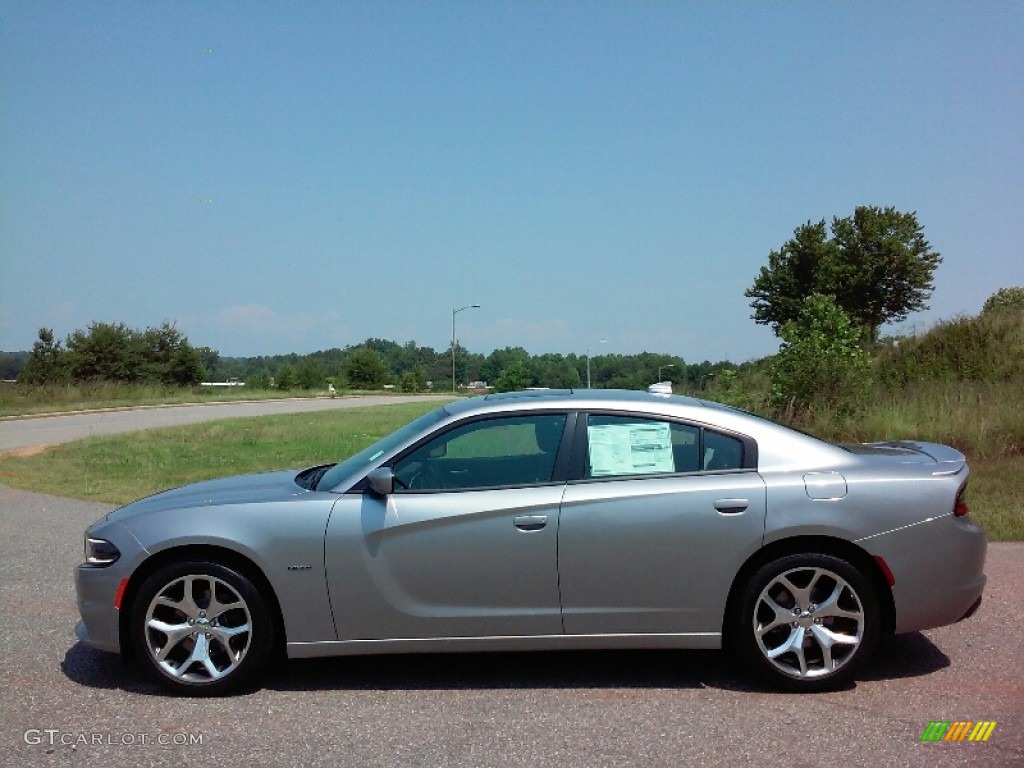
point(382, 481)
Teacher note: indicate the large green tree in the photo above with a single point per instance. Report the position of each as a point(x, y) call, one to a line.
point(46, 362)
point(106, 352)
point(365, 369)
point(115, 352)
point(877, 264)
point(514, 378)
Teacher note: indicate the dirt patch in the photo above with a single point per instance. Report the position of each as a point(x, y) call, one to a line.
point(33, 450)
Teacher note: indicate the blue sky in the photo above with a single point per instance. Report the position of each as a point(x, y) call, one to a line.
point(280, 177)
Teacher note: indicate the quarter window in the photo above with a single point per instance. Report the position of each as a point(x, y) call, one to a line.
point(721, 451)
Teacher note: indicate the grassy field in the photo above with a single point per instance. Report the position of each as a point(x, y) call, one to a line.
point(120, 468)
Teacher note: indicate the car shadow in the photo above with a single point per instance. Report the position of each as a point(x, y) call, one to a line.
point(96, 669)
point(512, 670)
point(906, 656)
point(903, 656)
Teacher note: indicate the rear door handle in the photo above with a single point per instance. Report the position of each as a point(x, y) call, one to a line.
point(731, 506)
point(530, 522)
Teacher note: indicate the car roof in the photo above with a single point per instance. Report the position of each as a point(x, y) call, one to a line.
point(573, 398)
point(779, 447)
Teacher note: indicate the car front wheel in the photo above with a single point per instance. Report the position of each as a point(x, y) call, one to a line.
point(201, 628)
point(807, 622)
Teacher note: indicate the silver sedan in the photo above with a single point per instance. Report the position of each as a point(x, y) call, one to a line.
point(545, 520)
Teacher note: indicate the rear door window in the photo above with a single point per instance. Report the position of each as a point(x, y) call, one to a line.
point(628, 446)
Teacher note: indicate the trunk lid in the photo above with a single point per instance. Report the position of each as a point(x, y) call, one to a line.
point(948, 460)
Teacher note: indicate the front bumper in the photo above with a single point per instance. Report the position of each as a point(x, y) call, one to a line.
point(100, 626)
point(96, 587)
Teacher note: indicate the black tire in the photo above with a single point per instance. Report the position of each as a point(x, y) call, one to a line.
point(201, 628)
point(806, 622)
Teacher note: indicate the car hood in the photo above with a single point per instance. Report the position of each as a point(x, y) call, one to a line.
point(243, 489)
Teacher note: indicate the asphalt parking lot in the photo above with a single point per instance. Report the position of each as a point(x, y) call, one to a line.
point(64, 704)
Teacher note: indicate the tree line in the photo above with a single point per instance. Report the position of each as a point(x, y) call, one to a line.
point(826, 293)
point(375, 363)
point(114, 352)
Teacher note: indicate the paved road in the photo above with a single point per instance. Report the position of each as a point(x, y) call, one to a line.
point(64, 704)
point(18, 434)
point(562, 709)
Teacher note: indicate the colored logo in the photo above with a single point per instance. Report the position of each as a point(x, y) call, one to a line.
point(958, 730)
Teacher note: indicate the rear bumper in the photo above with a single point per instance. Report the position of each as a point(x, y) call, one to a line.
point(971, 611)
point(939, 571)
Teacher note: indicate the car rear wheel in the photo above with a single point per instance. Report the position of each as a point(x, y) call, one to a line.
point(807, 622)
point(201, 628)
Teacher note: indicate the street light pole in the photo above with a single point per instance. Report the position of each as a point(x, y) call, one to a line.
point(454, 313)
point(670, 365)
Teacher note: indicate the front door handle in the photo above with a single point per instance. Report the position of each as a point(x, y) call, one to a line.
point(530, 522)
point(731, 506)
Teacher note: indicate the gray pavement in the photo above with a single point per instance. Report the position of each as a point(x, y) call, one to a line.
point(21, 433)
point(62, 703)
point(558, 709)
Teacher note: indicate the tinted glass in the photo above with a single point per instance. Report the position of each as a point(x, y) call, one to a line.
point(722, 451)
point(511, 451)
point(358, 461)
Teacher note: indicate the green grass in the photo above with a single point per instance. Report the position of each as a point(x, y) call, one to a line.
point(995, 497)
point(980, 419)
point(120, 468)
point(18, 400)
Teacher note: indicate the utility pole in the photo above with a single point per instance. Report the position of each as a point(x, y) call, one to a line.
point(454, 313)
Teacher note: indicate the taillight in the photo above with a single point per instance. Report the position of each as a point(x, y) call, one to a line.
point(960, 507)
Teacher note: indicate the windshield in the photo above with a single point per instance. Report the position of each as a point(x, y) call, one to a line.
point(385, 445)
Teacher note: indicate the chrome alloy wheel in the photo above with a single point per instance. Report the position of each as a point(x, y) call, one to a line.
point(808, 622)
point(198, 629)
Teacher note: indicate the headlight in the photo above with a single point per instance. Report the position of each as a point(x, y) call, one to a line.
point(100, 552)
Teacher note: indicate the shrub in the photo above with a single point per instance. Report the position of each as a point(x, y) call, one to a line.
point(989, 347)
point(1005, 299)
point(821, 362)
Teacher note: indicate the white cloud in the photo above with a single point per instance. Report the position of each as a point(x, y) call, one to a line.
point(536, 336)
point(247, 329)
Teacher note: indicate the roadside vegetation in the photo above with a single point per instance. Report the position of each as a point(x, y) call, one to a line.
point(27, 401)
point(959, 384)
point(826, 293)
point(911, 391)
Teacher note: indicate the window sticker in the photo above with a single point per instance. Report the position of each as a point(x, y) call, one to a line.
point(630, 449)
